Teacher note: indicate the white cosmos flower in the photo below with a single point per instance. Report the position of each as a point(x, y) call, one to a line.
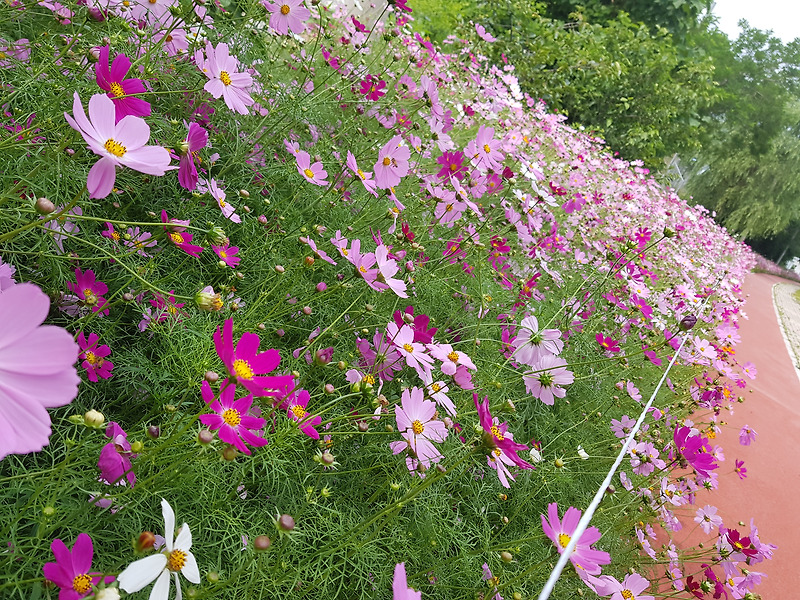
point(174, 559)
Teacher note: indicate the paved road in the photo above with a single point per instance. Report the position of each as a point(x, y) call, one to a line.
point(771, 492)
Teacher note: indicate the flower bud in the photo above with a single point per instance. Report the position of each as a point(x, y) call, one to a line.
point(93, 418)
point(321, 286)
point(128, 297)
point(208, 301)
point(145, 542)
point(279, 269)
point(261, 543)
point(44, 206)
point(154, 432)
point(328, 388)
point(205, 437)
point(309, 261)
point(211, 376)
point(229, 453)
point(244, 194)
point(688, 322)
point(506, 557)
point(217, 236)
point(306, 310)
point(559, 463)
point(137, 447)
point(285, 523)
point(212, 577)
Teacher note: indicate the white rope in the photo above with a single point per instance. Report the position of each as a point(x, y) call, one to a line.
point(587, 516)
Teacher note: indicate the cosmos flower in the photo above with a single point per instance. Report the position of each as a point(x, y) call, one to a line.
point(560, 533)
point(314, 173)
point(176, 558)
point(392, 163)
point(118, 143)
point(400, 589)
point(747, 435)
point(113, 80)
point(231, 419)
point(296, 405)
point(94, 357)
point(36, 369)
point(287, 15)
point(196, 140)
point(70, 572)
point(547, 377)
point(89, 290)
point(114, 462)
point(176, 233)
point(224, 80)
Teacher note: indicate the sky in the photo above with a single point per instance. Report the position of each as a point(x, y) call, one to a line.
point(781, 16)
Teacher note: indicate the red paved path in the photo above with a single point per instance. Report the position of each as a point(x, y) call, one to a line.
point(771, 492)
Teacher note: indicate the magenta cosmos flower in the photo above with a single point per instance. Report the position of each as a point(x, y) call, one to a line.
point(117, 143)
point(70, 572)
point(176, 233)
point(89, 290)
point(246, 366)
point(296, 405)
point(400, 589)
point(115, 457)
point(287, 15)
point(231, 420)
point(224, 80)
point(560, 533)
point(36, 369)
point(119, 89)
point(499, 440)
point(94, 357)
point(196, 140)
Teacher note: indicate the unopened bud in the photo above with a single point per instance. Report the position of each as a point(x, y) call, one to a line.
point(506, 557)
point(285, 523)
point(154, 432)
point(217, 235)
point(93, 418)
point(146, 541)
point(229, 453)
point(261, 543)
point(205, 437)
point(329, 388)
point(688, 322)
point(279, 269)
point(244, 194)
point(44, 206)
point(211, 376)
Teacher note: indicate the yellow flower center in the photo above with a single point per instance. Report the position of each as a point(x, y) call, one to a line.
point(117, 90)
point(418, 427)
point(387, 161)
point(308, 173)
point(176, 237)
point(361, 174)
point(435, 387)
point(408, 348)
point(115, 236)
point(453, 356)
point(362, 268)
point(285, 9)
point(563, 540)
point(224, 77)
point(496, 433)
point(93, 359)
point(82, 583)
point(486, 148)
point(628, 595)
point(448, 208)
point(369, 379)
point(89, 297)
point(241, 369)
point(176, 560)
point(115, 148)
point(231, 417)
point(223, 254)
point(298, 411)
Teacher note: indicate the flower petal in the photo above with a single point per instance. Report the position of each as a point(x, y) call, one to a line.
point(101, 178)
point(132, 132)
point(169, 523)
point(142, 572)
point(102, 114)
point(184, 539)
point(190, 570)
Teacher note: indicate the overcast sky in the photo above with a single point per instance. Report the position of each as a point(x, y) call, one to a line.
point(781, 16)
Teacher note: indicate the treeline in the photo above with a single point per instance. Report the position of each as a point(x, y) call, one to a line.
point(719, 118)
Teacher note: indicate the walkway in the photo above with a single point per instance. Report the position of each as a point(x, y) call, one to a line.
point(771, 492)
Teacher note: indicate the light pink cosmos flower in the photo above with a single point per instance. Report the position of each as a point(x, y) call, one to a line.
point(287, 15)
point(196, 140)
point(212, 187)
point(450, 358)
point(560, 533)
point(747, 435)
point(438, 391)
point(118, 144)
point(484, 150)
point(546, 383)
point(139, 240)
point(483, 34)
point(392, 164)
point(221, 69)
point(400, 589)
point(36, 369)
point(319, 253)
point(113, 80)
point(62, 225)
point(414, 353)
point(531, 344)
point(12, 52)
point(416, 417)
point(315, 173)
point(364, 177)
point(231, 419)
point(6, 275)
point(94, 357)
point(387, 268)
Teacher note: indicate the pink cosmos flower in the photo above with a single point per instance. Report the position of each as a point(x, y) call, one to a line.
point(607, 343)
point(89, 291)
point(531, 344)
point(484, 150)
point(414, 353)
point(629, 589)
point(387, 268)
point(321, 254)
point(740, 469)
point(545, 384)
point(708, 518)
point(483, 34)
point(315, 173)
point(416, 417)
point(450, 358)
point(212, 187)
point(749, 369)
point(117, 143)
point(392, 164)
point(246, 366)
point(94, 357)
point(560, 533)
point(400, 589)
point(139, 240)
point(696, 450)
point(287, 15)
point(62, 225)
point(176, 233)
point(114, 462)
point(196, 140)
point(365, 177)
point(747, 435)
point(70, 572)
point(227, 255)
point(380, 358)
point(120, 89)
point(6, 275)
point(36, 369)
point(372, 87)
point(622, 428)
point(231, 419)
point(296, 405)
point(224, 80)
